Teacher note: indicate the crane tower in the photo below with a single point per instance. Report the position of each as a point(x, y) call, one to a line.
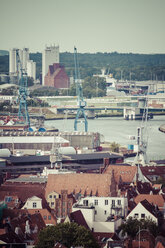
point(22, 80)
point(79, 91)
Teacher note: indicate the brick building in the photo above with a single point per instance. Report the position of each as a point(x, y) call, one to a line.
point(60, 203)
point(57, 77)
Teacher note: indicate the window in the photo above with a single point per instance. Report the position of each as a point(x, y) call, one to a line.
point(49, 217)
point(113, 203)
point(95, 211)
point(52, 203)
point(85, 202)
point(96, 202)
point(45, 217)
point(143, 216)
point(136, 215)
point(34, 204)
point(50, 196)
point(118, 202)
point(54, 196)
point(106, 202)
point(105, 212)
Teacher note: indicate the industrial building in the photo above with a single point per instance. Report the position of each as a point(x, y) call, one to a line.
point(31, 69)
point(49, 56)
point(27, 65)
point(57, 77)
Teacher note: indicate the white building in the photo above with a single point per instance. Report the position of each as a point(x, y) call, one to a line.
point(27, 65)
point(33, 203)
point(12, 61)
point(102, 214)
point(24, 57)
point(31, 69)
point(141, 212)
point(49, 56)
point(106, 206)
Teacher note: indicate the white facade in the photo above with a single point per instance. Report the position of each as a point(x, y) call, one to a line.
point(12, 61)
point(131, 113)
point(31, 69)
point(140, 212)
point(89, 214)
point(49, 56)
point(25, 58)
point(106, 206)
point(33, 203)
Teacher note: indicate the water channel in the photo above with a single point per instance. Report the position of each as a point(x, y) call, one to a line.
point(116, 129)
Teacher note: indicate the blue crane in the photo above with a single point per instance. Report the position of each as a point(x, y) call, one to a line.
point(79, 91)
point(22, 81)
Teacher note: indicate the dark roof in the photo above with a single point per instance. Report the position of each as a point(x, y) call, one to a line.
point(94, 155)
point(23, 191)
point(153, 170)
point(146, 188)
point(78, 217)
point(28, 159)
point(151, 208)
point(46, 158)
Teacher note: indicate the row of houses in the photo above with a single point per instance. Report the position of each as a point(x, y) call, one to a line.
point(99, 201)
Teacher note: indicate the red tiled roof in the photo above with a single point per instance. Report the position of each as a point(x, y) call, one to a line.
point(126, 173)
point(159, 245)
point(89, 184)
point(153, 199)
point(47, 217)
point(23, 191)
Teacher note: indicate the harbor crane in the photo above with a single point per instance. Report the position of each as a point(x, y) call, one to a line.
point(22, 81)
point(79, 91)
point(142, 137)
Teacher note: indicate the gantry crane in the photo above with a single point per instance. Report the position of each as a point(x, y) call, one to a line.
point(79, 91)
point(22, 81)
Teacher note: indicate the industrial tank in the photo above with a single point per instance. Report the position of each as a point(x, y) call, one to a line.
point(67, 150)
point(5, 153)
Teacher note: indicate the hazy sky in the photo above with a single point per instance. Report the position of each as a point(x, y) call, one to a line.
point(136, 26)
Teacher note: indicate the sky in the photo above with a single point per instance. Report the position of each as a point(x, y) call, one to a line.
point(124, 26)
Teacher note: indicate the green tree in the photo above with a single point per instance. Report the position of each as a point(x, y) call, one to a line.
point(68, 234)
point(114, 147)
point(132, 226)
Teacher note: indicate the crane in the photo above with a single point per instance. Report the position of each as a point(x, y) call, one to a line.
point(142, 137)
point(79, 91)
point(22, 81)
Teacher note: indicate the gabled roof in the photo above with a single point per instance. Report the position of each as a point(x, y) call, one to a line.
point(122, 172)
point(149, 207)
point(94, 184)
point(18, 219)
point(153, 199)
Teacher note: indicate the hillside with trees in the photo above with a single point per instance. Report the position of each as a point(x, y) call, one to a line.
point(122, 65)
